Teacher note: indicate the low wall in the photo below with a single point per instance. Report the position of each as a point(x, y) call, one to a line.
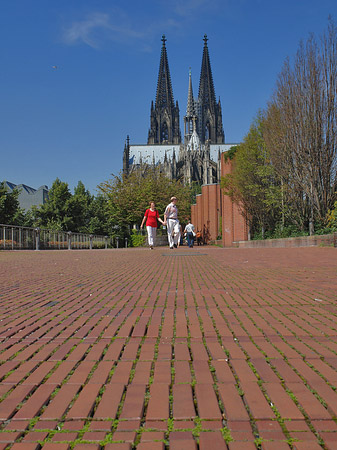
point(325, 240)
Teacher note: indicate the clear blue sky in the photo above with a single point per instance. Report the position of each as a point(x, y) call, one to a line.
point(77, 76)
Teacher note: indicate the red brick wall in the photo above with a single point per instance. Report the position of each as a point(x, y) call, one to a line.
point(211, 205)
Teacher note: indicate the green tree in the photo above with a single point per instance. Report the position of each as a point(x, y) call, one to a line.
point(55, 213)
point(99, 219)
point(10, 211)
point(253, 183)
point(79, 207)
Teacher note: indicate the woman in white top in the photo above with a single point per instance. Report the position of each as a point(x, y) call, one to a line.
point(189, 230)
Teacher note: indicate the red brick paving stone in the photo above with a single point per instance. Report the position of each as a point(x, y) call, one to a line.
point(87, 447)
point(234, 350)
point(73, 425)
point(81, 372)
point(159, 425)
point(147, 351)
point(9, 405)
point(20, 372)
point(100, 426)
point(116, 446)
point(308, 401)
point(241, 446)
point(134, 402)
point(40, 373)
point(34, 436)
point(85, 402)
point(267, 347)
point(7, 367)
point(58, 437)
point(282, 401)
point(150, 436)
point(330, 440)
point(242, 436)
point(232, 401)
point(257, 402)
point(158, 406)
point(151, 445)
point(60, 402)
point(62, 351)
point(243, 371)
point(202, 372)
point(182, 372)
point(127, 425)
point(19, 425)
point(94, 436)
point(286, 372)
point(164, 351)
point(9, 437)
point(308, 446)
point(101, 372)
point(297, 425)
point(324, 425)
point(239, 425)
point(142, 374)
point(78, 352)
point(121, 373)
point(182, 440)
point(265, 371)
point(183, 405)
point(211, 440)
point(307, 436)
point(199, 352)
point(25, 446)
point(131, 349)
point(61, 372)
point(181, 352)
point(329, 373)
point(223, 372)
point(55, 446)
point(162, 372)
point(183, 424)
point(277, 445)
point(288, 352)
point(109, 402)
point(211, 425)
point(114, 350)
point(127, 436)
point(207, 402)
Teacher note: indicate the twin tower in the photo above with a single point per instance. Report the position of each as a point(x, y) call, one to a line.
point(204, 113)
point(197, 157)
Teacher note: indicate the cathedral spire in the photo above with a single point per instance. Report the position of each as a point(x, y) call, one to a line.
point(206, 86)
point(210, 115)
point(190, 110)
point(164, 127)
point(190, 100)
point(164, 95)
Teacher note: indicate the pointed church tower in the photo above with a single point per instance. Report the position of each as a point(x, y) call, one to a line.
point(164, 127)
point(190, 111)
point(210, 116)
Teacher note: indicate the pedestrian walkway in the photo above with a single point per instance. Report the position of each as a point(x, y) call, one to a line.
point(202, 348)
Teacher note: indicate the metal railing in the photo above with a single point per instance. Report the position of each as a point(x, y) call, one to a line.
point(14, 237)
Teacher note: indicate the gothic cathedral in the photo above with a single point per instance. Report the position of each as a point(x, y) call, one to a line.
point(197, 158)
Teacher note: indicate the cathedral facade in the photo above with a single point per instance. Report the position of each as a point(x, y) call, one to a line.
point(195, 158)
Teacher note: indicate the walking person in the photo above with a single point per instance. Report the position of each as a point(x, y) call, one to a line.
point(172, 222)
point(151, 216)
point(189, 230)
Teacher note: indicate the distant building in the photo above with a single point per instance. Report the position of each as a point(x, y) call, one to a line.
point(29, 196)
point(198, 157)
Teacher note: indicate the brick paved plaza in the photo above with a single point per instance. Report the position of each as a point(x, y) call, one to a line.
point(202, 348)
